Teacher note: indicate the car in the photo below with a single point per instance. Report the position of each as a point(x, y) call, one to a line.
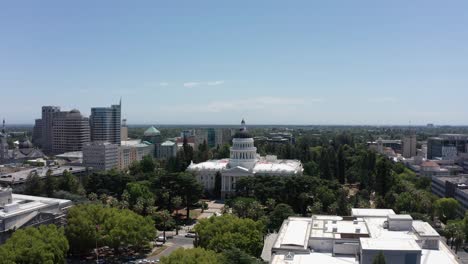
point(159, 244)
point(191, 234)
point(161, 239)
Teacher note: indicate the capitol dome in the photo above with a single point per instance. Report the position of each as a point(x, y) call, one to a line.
point(243, 150)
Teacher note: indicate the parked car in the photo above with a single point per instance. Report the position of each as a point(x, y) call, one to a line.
point(161, 239)
point(191, 234)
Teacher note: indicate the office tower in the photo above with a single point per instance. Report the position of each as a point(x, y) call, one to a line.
point(101, 156)
point(409, 146)
point(70, 132)
point(124, 130)
point(106, 124)
point(37, 132)
point(3, 144)
point(48, 113)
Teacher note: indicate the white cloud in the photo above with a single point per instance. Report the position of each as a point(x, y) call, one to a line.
point(191, 84)
point(163, 84)
point(209, 83)
point(213, 83)
point(258, 103)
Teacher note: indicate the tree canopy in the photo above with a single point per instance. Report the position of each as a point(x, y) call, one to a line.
point(193, 256)
point(45, 244)
point(227, 232)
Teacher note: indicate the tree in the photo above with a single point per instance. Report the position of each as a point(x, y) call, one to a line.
point(384, 177)
point(446, 209)
point(279, 214)
point(226, 232)
point(50, 184)
point(164, 221)
point(33, 184)
point(45, 244)
point(190, 188)
point(177, 203)
point(138, 191)
point(342, 203)
point(70, 183)
point(341, 165)
point(147, 164)
point(217, 187)
point(237, 256)
point(193, 256)
point(91, 223)
point(379, 258)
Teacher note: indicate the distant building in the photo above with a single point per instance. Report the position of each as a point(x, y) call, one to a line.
point(20, 211)
point(223, 136)
point(243, 162)
point(101, 156)
point(37, 132)
point(124, 130)
point(3, 144)
point(356, 239)
point(152, 135)
point(452, 187)
point(444, 146)
point(166, 150)
point(20, 175)
point(48, 114)
point(382, 145)
point(70, 132)
point(409, 146)
point(106, 124)
point(133, 150)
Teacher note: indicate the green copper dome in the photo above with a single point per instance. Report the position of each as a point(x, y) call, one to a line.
point(152, 131)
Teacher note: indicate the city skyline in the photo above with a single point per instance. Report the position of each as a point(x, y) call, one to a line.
point(328, 63)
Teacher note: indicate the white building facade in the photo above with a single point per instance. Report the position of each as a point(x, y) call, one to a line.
point(243, 162)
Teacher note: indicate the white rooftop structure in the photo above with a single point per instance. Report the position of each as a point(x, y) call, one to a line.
point(357, 239)
point(18, 211)
point(243, 161)
point(22, 175)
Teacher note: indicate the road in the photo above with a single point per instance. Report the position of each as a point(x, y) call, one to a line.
point(172, 244)
point(180, 241)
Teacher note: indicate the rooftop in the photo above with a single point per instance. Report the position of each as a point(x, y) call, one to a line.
point(389, 244)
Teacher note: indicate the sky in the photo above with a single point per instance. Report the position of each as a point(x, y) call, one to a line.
point(216, 62)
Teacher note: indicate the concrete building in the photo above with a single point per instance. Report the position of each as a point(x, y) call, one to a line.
point(70, 132)
point(356, 239)
point(152, 135)
point(3, 144)
point(223, 136)
point(101, 156)
point(452, 187)
point(444, 146)
point(37, 132)
point(243, 162)
point(133, 150)
point(48, 114)
point(124, 130)
point(20, 211)
point(409, 146)
point(106, 124)
point(166, 150)
point(20, 175)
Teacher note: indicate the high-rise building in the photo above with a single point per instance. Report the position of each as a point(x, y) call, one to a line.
point(48, 113)
point(106, 124)
point(70, 132)
point(409, 146)
point(101, 156)
point(124, 130)
point(3, 144)
point(37, 132)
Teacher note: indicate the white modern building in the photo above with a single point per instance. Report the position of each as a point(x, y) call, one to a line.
point(101, 156)
point(19, 211)
point(243, 162)
point(357, 239)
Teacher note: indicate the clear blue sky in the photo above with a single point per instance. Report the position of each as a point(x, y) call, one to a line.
point(272, 62)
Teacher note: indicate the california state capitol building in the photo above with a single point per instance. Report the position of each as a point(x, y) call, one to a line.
point(244, 161)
